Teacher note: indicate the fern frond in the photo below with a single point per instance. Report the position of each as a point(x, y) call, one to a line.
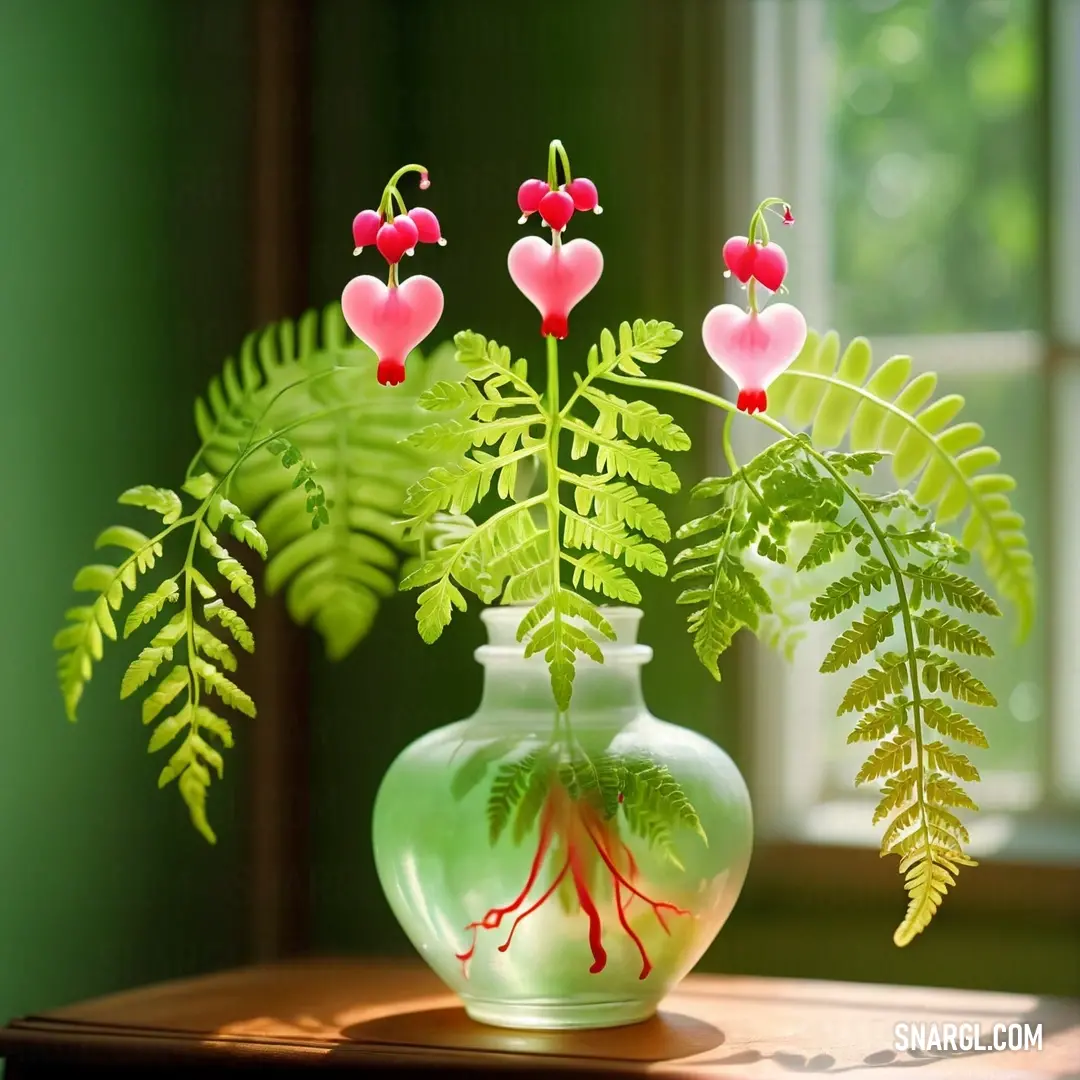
point(829, 543)
point(864, 635)
point(616, 501)
point(611, 538)
point(889, 757)
point(930, 871)
point(512, 556)
point(635, 419)
point(949, 722)
point(890, 411)
point(958, 682)
point(507, 790)
point(315, 378)
point(877, 723)
point(938, 628)
point(889, 677)
point(845, 593)
point(624, 458)
point(948, 587)
point(654, 804)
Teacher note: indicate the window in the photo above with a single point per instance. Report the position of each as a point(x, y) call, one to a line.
point(910, 136)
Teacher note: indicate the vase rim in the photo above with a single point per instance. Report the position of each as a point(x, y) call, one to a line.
point(502, 621)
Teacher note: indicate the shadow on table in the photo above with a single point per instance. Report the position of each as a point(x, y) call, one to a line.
point(667, 1036)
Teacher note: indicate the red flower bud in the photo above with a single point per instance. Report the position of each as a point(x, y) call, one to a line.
point(529, 195)
point(556, 208)
point(770, 266)
point(584, 194)
point(396, 238)
point(427, 225)
point(739, 257)
point(365, 228)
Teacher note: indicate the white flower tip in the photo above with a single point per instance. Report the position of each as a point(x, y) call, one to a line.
point(727, 273)
point(441, 242)
point(411, 251)
point(356, 251)
point(598, 209)
point(523, 219)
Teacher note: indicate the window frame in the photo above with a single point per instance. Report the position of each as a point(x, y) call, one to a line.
point(766, 49)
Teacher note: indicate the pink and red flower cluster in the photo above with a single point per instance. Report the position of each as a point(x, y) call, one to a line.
point(392, 319)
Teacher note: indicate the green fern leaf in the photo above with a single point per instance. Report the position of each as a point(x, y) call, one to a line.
point(951, 588)
point(316, 378)
point(940, 757)
point(865, 635)
point(151, 606)
point(228, 691)
point(168, 729)
point(166, 692)
point(598, 573)
point(507, 790)
point(216, 725)
point(927, 879)
point(831, 542)
point(889, 677)
point(845, 593)
point(942, 718)
point(436, 608)
point(944, 791)
point(240, 581)
point(893, 412)
point(213, 647)
point(897, 791)
point(889, 757)
point(615, 502)
point(958, 682)
point(161, 500)
point(938, 628)
point(612, 539)
point(217, 609)
point(626, 459)
point(879, 722)
point(637, 420)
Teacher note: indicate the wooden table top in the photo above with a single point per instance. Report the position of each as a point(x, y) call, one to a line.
point(373, 1015)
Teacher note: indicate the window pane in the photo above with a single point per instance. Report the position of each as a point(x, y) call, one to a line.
point(935, 166)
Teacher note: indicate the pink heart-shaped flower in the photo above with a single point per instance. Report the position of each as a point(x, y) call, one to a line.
point(753, 348)
point(392, 321)
point(555, 278)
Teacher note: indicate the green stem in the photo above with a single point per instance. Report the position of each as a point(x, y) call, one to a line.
point(390, 192)
point(552, 497)
point(757, 221)
point(886, 548)
point(305, 381)
point(556, 147)
point(729, 453)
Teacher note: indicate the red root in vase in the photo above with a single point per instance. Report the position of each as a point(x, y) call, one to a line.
point(583, 837)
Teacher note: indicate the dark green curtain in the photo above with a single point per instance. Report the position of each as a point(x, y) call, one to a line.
point(123, 128)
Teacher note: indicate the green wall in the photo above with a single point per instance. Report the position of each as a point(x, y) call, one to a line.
point(122, 232)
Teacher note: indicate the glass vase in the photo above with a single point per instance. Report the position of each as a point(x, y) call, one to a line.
point(562, 871)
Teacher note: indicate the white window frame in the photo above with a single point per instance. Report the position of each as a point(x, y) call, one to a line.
point(780, 51)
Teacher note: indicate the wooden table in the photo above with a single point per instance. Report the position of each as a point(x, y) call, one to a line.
point(380, 1016)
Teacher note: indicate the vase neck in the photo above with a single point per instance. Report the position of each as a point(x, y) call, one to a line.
point(515, 684)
